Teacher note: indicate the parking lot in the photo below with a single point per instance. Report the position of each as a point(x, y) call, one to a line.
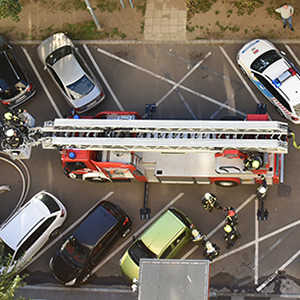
point(186, 81)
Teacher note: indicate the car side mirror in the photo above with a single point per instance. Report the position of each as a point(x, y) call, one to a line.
point(252, 75)
point(283, 53)
point(45, 68)
point(133, 238)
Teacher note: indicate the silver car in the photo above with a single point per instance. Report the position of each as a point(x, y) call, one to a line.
point(70, 72)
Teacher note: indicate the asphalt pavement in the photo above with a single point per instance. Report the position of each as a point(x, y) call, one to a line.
point(185, 83)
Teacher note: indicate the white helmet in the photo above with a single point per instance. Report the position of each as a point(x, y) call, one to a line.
point(195, 232)
point(10, 132)
point(262, 189)
point(207, 196)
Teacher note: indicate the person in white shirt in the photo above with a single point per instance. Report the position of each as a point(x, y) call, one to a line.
point(286, 11)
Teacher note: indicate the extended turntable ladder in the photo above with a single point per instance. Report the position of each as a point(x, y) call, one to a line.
point(162, 135)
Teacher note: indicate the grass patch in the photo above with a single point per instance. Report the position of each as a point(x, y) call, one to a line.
point(107, 5)
point(88, 31)
point(141, 6)
point(197, 6)
point(246, 6)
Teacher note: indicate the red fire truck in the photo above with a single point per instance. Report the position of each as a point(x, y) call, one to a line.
point(121, 146)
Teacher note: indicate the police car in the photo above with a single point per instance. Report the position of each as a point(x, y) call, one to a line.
point(275, 76)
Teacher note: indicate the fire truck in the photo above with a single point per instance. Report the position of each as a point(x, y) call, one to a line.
point(122, 146)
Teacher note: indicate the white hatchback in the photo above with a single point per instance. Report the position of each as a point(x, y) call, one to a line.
point(25, 233)
point(274, 75)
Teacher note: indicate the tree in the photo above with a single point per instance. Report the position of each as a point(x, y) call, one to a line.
point(9, 281)
point(10, 8)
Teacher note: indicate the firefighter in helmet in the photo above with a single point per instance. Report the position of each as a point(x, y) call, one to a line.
point(253, 162)
point(231, 218)
point(14, 119)
point(12, 137)
point(211, 251)
point(209, 202)
point(261, 191)
point(231, 235)
point(197, 237)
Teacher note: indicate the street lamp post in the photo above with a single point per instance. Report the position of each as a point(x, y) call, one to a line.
point(88, 5)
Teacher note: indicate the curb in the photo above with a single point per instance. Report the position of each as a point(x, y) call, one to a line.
point(135, 42)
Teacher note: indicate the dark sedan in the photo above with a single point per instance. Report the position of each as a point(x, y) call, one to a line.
point(15, 87)
point(87, 245)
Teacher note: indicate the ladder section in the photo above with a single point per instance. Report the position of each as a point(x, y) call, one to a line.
point(165, 135)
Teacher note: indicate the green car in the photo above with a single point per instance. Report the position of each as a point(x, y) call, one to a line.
point(163, 239)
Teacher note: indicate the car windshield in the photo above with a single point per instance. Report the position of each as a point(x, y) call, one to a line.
point(6, 251)
point(80, 88)
point(74, 252)
point(49, 202)
point(58, 54)
point(265, 60)
point(139, 250)
point(13, 91)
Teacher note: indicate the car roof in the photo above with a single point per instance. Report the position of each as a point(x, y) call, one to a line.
point(162, 232)
point(68, 69)
point(52, 43)
point(8, 77)
point(22, 222)
point(248, 56)
point(94, 226)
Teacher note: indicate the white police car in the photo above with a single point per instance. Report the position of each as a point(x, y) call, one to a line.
point(274, 75)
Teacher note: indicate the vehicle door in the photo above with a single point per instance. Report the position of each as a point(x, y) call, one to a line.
point(175, 246)
point(34, 241)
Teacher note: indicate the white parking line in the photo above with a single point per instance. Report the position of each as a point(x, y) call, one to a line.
point(239, 74)
point(272, 277)
point(250, 244)
point(292, 53)
point(65, 232)
point(137, 233)
point(103, 78)
point(218, 227)
point(183, 79)
point(256, 244)
point(169, 81)
point(42, 83)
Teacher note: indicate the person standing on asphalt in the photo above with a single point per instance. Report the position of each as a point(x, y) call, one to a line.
point(211, 251)
point(231, 235)
point(209, 202)
point(286, 11)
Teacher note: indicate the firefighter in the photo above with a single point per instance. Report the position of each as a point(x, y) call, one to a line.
point(15, 119)
point(198, 238)
point(211, 251)
point(253, 162)
point(231, 235)
point(12, 137)
point(209, 202)
point(232, 218)
point(261, 191)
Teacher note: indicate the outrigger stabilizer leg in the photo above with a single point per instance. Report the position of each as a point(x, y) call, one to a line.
point(145, 211)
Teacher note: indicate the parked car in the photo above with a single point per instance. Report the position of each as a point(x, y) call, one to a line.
point(70, 72)
point(274, 75)
point(163, 239)
point(15, 86)
point(87, 245)
point(25, 233)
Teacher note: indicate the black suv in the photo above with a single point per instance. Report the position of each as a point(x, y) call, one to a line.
point(86, 246)
point(15, 87)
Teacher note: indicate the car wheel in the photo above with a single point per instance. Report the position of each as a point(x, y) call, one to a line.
point(226, 183)
point(242, 69)
point(55, 232)
point(280, 112)
point(85, 278)
point(124, 234)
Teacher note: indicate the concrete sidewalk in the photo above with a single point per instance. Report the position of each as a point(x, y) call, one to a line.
point(165, 20)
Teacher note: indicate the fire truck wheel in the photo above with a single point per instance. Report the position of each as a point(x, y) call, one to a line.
point(124, 234)
point(225, 183)
point(55, 232)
